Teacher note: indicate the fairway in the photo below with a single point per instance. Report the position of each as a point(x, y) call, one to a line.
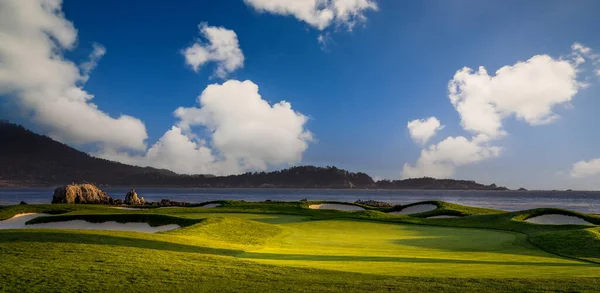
point(249, 247)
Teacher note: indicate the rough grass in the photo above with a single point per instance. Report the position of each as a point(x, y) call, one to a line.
point(284, 246)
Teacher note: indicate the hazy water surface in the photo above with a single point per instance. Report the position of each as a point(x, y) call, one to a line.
point(588, 202)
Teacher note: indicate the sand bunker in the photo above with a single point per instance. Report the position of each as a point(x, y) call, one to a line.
point(335, 206)
point(419, 208)
point(443, 217)
point(210, 205)
point(18, 222)
point(113, 226)
point(558, 219)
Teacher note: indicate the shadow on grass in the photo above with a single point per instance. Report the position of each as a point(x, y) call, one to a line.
point(15, 236)
point(583, 243)
point(152, 219)
point(457, 239)
point(352, 258)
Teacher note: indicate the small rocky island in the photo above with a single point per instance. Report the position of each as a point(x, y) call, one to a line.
point(91, 194)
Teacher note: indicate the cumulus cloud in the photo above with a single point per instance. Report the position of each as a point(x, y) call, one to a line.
point(440, 160)
point(319, 13)
point(222, 47)
point(246, 133)
point(586, 168)
point(421, 130)
point(528, 90)
point(247, 129)
point(174, 151)
point(49, 88)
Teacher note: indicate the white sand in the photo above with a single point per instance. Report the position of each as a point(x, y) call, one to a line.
point(443, 217)
point(113, 226)
point(558, 219)
point(420, 208)
point(18, 222)
point(210, 205)
point(335, 206)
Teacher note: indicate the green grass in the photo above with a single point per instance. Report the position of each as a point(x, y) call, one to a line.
point(286, 247)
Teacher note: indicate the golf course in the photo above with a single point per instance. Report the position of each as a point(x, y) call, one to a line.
point(236, 246)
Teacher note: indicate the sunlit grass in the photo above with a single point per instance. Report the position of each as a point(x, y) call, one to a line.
point(248, 247)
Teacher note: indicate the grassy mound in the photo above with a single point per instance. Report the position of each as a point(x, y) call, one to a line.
point(524, 215)
point(232, 230)
point(445, 208)
point(581, 243)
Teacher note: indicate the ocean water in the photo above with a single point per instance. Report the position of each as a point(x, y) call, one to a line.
point(587, 202)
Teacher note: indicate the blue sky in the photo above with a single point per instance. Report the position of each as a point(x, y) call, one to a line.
point(359, 92)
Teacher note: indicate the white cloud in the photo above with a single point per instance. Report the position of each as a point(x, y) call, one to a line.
point(49, 88)
point(245, 131)
point(586, 168)
point(222, 48)
point(440, 160)
point(529, 90)
point(579, 52)
point(97, 52)
point(421, 130)
point(325, 40)
point(319, 13)
point(173, 151)
point(245, 128)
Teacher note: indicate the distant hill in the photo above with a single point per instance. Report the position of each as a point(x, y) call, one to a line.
point(30, 159)
point(27, 158)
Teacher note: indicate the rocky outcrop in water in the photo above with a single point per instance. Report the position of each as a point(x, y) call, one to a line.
point(169, 203)
point(131, 198)
point(374, 203)
point(80, 194)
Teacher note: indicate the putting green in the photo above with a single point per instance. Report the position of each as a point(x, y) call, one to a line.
point(414, 250)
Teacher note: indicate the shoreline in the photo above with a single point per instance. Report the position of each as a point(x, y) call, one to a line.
point(297, 188)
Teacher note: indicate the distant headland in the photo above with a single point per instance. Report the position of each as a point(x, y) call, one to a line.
point(29, 159)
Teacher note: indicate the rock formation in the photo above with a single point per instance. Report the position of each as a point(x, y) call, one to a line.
point(168, 203)
point(131, 198)
point(80, 193)
point(374, 203)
